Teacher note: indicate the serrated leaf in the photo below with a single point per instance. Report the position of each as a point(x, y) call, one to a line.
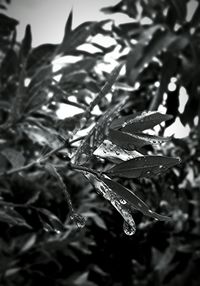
point(114, 153)
point(139, 121)
point(14, 157)
point(146, 166)
point(132, 199)
point(133, 141)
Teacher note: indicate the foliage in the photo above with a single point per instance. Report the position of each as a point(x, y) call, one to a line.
point(50, 167)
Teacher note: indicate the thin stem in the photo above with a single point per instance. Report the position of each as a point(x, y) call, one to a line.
point(76, 140)
point(85, 169)
point(20, 169)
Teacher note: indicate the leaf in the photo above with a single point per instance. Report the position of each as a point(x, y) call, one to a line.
point(14, 157)
point(168, 70)
point(106, 89)
point(50, 221)
point(146, 166)
point(132, 199)
point(99, 222)
point(68, 29)
point(113, 9)
point(44, 136)
point(114, 153)
point(145, 50)
point(195, 18)
point(133, 141)
point(181, 9)
point(26, 43)
point(139, 121)
point(97, 135)
point(7, 25)
point(12, 217)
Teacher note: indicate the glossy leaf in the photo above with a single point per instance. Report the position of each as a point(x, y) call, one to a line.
point(146, 166)
point(133, 141)
point(139, 121)
point(114, 153)
point(97, 135)
point(132, 199)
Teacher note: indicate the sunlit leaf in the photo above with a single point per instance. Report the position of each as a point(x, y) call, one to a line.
point(114, 153)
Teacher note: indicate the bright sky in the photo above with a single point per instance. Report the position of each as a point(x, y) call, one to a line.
point(48, 18)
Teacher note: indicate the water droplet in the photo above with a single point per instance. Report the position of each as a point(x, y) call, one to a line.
point(128, 229)
point(122, 201)
point(161, 166)
point(79, 220)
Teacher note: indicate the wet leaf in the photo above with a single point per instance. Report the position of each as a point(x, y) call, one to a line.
point(114, 153)
point(97, 135)
point(133, 141)
point(146, 166)
point(132, 199)
point(139, 121)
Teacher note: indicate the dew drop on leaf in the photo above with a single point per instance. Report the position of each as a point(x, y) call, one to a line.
point(128, 229)
point(79, 220)
point(122, 201)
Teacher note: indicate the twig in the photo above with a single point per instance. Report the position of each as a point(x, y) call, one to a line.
point(85, 169)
